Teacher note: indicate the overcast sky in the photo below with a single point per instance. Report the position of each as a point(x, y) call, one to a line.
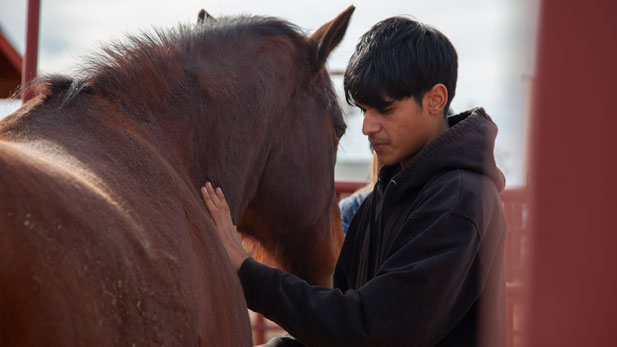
point(495, 41)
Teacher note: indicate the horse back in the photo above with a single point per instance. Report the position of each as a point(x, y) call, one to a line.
point(81, 264)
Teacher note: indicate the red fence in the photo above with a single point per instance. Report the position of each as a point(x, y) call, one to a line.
point(516, 208)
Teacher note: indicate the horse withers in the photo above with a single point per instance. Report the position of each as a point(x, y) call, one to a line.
point(103, 237)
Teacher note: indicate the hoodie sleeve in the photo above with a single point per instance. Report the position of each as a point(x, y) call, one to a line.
point(426, 285)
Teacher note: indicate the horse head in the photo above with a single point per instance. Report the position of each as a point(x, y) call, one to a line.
point(293, 220)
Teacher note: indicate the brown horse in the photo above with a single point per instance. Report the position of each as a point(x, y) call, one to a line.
point(103, 237)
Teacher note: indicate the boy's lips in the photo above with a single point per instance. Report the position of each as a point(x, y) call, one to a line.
point(378, 145)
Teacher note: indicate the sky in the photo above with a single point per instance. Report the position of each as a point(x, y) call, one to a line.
point(495, 42)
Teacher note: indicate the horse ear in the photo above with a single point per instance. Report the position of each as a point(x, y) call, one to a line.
point(204, 16)
point(326, 38)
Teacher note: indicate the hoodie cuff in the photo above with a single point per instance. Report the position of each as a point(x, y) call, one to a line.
point(253, 276)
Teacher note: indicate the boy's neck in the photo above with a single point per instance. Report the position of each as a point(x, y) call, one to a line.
point(439, 129)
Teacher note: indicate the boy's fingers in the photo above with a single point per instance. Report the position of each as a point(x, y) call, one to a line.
point(212, 201)
point(216, 204)
point(206, 192)
point(206, 197)
point(219, 193)
point(212, 194)
point(210, 206)
point(221, 198)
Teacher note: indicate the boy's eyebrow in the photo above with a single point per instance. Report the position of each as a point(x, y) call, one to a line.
point(388, 104)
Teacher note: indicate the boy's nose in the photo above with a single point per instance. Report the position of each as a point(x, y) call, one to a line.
point(369, 124)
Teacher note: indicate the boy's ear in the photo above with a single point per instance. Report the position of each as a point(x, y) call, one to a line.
point(436, 99)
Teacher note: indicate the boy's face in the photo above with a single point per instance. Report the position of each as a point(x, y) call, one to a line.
point(401, 130)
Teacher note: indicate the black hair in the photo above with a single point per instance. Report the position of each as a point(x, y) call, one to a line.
point(400, 57)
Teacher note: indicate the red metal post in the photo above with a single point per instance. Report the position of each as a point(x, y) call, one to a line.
point(574, 168)
point(32, 43)
point(259, 329)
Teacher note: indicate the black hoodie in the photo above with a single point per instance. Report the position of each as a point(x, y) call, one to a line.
point(422, 263)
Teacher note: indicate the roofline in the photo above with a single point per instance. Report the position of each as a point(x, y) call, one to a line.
point(11, 54)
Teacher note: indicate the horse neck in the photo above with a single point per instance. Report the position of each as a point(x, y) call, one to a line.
point(231, 156)
point(206, 134)
point(221, 144)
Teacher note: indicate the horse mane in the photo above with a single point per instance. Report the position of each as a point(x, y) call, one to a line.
point(163, 63)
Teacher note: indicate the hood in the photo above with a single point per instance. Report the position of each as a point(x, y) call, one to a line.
point(468, 144)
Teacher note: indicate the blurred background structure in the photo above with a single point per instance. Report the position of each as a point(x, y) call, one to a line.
point(10, 68)
point(573, 168)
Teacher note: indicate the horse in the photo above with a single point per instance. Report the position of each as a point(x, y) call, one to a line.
point(104, 239)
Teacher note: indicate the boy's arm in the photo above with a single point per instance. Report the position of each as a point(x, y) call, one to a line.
point(426, 285)
point(421, 292)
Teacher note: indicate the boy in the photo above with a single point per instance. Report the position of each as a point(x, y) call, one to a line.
point(422, 262)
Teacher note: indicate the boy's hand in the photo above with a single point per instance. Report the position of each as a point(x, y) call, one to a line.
point(219, 212)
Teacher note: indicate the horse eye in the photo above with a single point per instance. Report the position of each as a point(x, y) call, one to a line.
point(340, 132)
